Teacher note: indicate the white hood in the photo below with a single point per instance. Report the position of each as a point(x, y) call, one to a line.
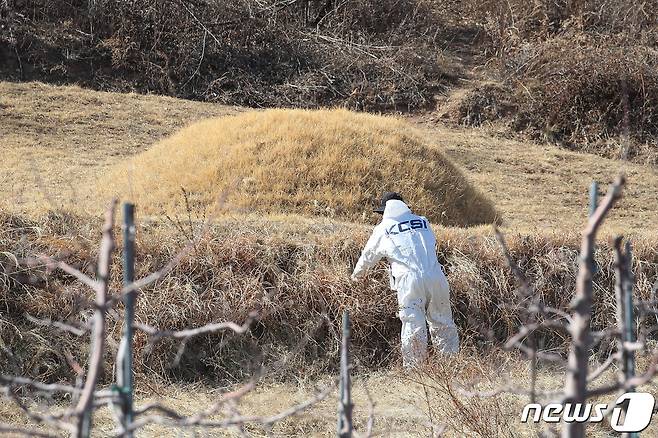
point(405, 239)
point(395, 208)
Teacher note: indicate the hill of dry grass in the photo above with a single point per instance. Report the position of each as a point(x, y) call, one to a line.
point(532, 186)
point(333, 163)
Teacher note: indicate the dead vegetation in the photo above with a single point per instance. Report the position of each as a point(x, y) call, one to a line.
point(295, 271)
point(298, 288)
point(85, 395)
point(594, 93)
point(477, 106)
point(581, 75)
point(366, 55)
point(58, 141)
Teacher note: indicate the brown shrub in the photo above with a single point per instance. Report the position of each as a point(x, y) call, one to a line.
point(516, 21)
point(583, 74)
point(365, 54)
point(584, 91)
point(482, 104)
point(296, 271)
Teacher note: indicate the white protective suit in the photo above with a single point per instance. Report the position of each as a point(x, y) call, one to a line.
point(408, 243)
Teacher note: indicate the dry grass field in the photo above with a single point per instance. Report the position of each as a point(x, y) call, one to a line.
point(42, 125)
point(402, 404)
point(59, 142)
point(543, 187)
point(533, 186)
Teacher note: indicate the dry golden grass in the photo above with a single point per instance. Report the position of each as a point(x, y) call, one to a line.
point(405, 403)
point(296, 271)
point(56, 137)
point(328, 162)
point(56, 140)
point(543, 187)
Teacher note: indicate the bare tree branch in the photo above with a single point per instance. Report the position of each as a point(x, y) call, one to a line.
point(7, 428)
point(78, 331)
point(189, 333)
point(46, 387)
point(85, 402)
point(575, 389)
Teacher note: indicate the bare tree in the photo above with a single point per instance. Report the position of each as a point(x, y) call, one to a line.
point(579, 386)
point(87, 397)
point(575, 387)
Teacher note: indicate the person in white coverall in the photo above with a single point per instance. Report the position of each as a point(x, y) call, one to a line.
point(408, 243)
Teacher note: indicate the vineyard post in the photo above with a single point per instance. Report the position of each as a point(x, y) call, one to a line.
point(629, 335)
point(628, 295)
point(593, 204)
point(575, 387)
point(345, 406)
point(125, 376)
point(593, 197)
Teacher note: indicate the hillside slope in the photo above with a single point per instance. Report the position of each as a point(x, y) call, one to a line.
point(583, 77)
point(534, 186)
point(541, 186)
point(58, 141)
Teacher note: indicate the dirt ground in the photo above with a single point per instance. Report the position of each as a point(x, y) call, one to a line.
point(395, 403)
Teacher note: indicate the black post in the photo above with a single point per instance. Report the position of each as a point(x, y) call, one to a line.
point(593, 204)
point(129, 302)
point(345, 406)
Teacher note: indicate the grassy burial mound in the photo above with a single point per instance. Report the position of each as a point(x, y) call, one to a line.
point(330, 163)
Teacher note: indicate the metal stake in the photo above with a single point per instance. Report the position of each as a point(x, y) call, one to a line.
point(125, 376)
point(629, 332)
point(593, 204)
point(593, 197)
point(345, 402)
